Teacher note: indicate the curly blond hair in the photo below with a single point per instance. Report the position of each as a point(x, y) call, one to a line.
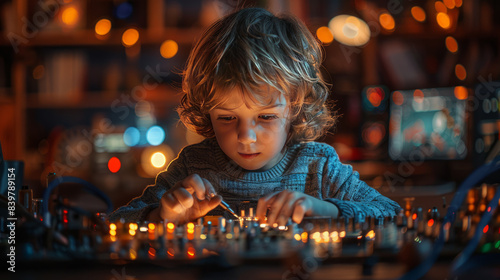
point(249, 49)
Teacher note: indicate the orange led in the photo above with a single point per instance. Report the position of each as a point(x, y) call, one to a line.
point(430, 223)
point(168, 49)
point(414, 216)
point(324, 35)
point(451, 44)
point(387, 21)
point(102, 27)
point(461, 93)
point(443, 20)
point(69, 16)
point(418, 13)
point(114, 164)
point(460, 72)
point(130, 37)
point(418, 96)
point(450, 4)
point(440, 7)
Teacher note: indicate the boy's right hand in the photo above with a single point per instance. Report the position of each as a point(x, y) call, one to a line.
point(186, 201)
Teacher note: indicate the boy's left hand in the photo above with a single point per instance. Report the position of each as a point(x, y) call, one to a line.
point(291, 204)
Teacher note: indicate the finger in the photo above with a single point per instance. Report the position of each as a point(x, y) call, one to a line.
point(209, 204)
point(184, 200)
point(194, 185)
point(299, 211)
point(288, 206)
point(263, 204)
point(275, 209)
point(209, 189)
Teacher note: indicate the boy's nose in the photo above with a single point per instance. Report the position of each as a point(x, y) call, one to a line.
point(246, 134)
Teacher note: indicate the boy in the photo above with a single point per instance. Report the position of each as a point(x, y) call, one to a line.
point(253, 88)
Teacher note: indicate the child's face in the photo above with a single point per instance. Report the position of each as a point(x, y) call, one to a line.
point(252, 136)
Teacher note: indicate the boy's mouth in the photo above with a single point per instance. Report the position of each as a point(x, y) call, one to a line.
point(248, 156)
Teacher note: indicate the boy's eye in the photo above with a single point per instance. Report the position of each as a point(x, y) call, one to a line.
point(226, 118)
point(268, 117)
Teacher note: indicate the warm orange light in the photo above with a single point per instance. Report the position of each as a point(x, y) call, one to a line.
point(297, 237)
point(151, 226)
point(397, 98)
point(324, 35)
point(461, 93)
point(130, 37)
point(102, 27)
point(460, 72)
point(443, 20)
point(69, 16)
point(418, 96)
point(430, 223)
point(451, 44)
point(450, 4)
point(112, 226)
point(414, 216)
point(158, 160)
point(374, 98)
point(170, 226)
point(418, 13)
point(304, 237)
point(458, 3)
point(152, 252)
point(169, 49)
point(191, 252)
point(387, 21)
point(440, 7)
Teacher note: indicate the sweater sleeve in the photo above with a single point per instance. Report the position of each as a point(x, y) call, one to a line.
point(139, 208)
point(351, 195)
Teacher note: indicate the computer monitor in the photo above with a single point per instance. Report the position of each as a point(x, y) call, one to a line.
point(428, 124)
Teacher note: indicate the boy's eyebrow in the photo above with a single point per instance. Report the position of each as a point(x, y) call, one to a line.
point(261, 108)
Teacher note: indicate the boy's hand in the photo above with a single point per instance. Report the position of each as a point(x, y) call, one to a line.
point(291, 204)
point(186, 201)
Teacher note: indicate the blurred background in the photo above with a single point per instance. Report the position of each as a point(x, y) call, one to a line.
point(89, 88)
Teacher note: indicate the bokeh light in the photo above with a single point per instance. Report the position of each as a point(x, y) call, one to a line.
point(387, 21)
point(397, 98)
point(440, 7)
point(450, 4)
point(461, 93)
point(169, 49)
point(69, 16)
point(155, 135)
point(114, 164)
point(418, 14)
point(451, 44)
point(130, 37)
point(131, 136)
point(324, 35)
point(460, 72)
point(102, 27)
point(443, 20)
point(418, 96)
point(158, 160)
point(349, 30)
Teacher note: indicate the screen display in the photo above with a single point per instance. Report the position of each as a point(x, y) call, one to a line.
point(428, 124)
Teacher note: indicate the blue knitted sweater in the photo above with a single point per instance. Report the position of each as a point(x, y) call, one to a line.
point(313, 168)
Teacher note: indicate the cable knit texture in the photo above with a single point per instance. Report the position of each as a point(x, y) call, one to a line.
point(312, 168)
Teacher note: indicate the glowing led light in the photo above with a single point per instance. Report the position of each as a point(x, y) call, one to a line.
point(112, 226)
point(443, 20)
point(169, 48)
point(430, 223)
point(131, 136)
point(132, 254)
point(297, 237)
point(170, 226)
point(460, 72)
point(102, 27)
point(418, 14)
point(450, 4)
point(485, 229)
point(152, 252)
point(203, 236)
point(191, 252)
point(38, 72)
point(131, 232)
point(324, 35)
point(387, 21)
point(190, 226)
point(349, 30)
point(440, 7)
point(69, 16)
point(151, 226)
point(158, 160)
point(342, 234)
point(130, 37)
point(397, 98)
point(133, 226)
point(229, 236)
point(114, 164)
point(451, 44)
point(112, 232)
point(304, 237)
point(155, 135)
point(458, 3)
point(370, 234)
point(461, 93)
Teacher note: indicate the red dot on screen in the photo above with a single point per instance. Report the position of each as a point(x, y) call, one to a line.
point(114, 164)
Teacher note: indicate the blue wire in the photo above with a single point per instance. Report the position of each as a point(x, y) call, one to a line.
point(472, 180)
point(69, 179)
